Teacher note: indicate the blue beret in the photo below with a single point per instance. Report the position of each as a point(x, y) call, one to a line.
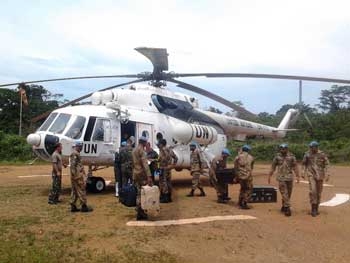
point(123, 143)
point(143, 138)
point(225, 151)
point(313, 144)
point(283, 145)
point(246, 148)
point(77, 143)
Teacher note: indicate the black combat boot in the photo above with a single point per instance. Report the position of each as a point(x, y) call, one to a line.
point(283, 209)
point(86, 209)
point(141, 215)
point(163, 198)
point(244, 205)
point(190, 194)
point(169, 198)
point(202, 192)
point(73, 208)
point(313, 210)
point(221, 200)
point(225, 197)
point(287, 211)
point(317, 209)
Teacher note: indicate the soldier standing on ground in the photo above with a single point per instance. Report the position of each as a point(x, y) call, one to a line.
point(152, 157)
point(167, 160)
point(141, 174)
point(315, 166)
point(286, 165)
point(78, 181)
point(244, 164)
point(218, 163)
point(125, 158)
point(56, 175)
point(117, 169)
point(196, 170)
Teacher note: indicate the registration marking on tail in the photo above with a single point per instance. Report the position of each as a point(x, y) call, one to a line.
point(196, 220)
point(338, 199)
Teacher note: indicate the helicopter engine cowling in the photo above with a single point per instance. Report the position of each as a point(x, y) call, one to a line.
point(186, 132)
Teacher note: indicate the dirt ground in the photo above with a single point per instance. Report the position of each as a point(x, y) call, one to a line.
point(271, 237)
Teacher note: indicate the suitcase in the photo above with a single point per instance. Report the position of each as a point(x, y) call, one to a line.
point(127, 195)
point(263, 194)
point(225, 176)
point(150, 199)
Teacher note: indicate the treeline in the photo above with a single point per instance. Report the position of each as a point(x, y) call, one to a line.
point(14, 148)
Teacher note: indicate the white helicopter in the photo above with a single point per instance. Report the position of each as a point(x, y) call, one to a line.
point(149, 110)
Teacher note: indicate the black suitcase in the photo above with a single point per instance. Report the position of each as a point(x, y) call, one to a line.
point(225, 176)
point(263, 194)
point(127, 195)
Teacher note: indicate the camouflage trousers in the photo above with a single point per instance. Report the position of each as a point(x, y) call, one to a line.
point(315, 190)
point(165, 186)
point(56, 188)
point(196, 183)
point(246, 189)
point(126, 176)
point(286, 188)
point(139, 181)
point(78, 191)
point(221, 188)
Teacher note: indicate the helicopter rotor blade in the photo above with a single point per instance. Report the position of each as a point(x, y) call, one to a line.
point(212, 96)
point(252, 75)
point(45, 114)
point(71, 78)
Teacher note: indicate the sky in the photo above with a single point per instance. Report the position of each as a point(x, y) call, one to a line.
point(53, 39)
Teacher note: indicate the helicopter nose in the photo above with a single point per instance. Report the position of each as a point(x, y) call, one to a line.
point(33, 139)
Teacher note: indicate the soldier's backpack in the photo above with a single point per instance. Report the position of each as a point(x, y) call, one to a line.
point(127, 195)
point(150, 199)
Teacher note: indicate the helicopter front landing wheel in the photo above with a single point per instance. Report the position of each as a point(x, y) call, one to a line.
point(95, 184)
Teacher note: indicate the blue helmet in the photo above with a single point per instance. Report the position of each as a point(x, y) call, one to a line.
point(313, 144)
point(193, 143)
point(283, 145)
point(123, 143)
point(246, 148)
point(226, 151)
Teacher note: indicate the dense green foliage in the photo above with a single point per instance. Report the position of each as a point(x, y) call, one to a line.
point(14, 148)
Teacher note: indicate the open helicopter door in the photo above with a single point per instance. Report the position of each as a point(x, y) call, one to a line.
point(144, 129)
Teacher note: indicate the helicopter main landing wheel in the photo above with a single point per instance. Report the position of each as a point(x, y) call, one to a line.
point(95, 184)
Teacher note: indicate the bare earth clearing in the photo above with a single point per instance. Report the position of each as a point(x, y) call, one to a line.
point(33, 231)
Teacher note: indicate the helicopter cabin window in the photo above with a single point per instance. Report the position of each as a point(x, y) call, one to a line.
point(48, 122)
point(102, 130)
point(60, 123)
point(76, 130)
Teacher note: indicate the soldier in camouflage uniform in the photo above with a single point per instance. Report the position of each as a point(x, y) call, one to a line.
point(141, 174)
point(244, 164)
point(77, 179)
point(56, 175)
point(315, 166)
point(196, 170)
point(218, 163)
point(167, 159)
point(117, 169)
point(287, 166)
point(125, 158)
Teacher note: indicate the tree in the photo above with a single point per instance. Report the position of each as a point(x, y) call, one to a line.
point(40, 100)
point(335, 99)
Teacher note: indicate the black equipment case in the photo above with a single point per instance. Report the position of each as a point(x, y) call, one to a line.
point(127, 195)
point(263, 194)
point(226, 176)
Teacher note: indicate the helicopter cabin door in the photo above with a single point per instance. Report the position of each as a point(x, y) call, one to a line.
point(144, 129)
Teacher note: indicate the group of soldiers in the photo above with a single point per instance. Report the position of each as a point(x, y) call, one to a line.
point(137, 165)
point(78, 202)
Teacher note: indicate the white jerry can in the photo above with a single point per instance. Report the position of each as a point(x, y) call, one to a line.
point(150, 199)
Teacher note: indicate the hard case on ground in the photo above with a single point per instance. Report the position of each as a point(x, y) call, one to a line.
point(127, 195)
point(226, 176)
point(263, 194)
point(150, 199)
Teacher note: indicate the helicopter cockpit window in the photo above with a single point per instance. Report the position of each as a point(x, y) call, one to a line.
point(60, 123)
point(48, 122)
point(102, 131)
point(76, 129)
